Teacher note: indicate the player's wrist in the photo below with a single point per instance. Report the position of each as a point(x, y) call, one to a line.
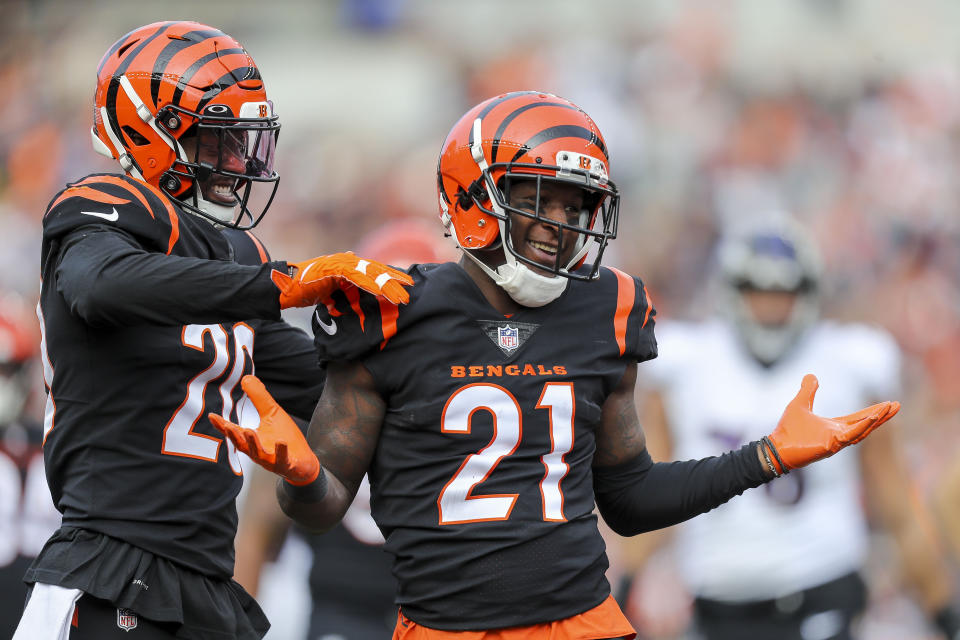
point(310, 493)
point(772, 458)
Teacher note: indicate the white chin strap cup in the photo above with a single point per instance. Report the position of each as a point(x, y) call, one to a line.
point(527, 287)
point(223, 212)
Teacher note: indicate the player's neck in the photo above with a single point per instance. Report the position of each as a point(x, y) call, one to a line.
point(495, 295)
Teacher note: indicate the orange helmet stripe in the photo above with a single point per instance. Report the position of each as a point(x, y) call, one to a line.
point(171, 50)
point(498, 136)
point(562, 131)
point(494, 104)
point(215, 59)
point(125, 42)
point(111, 98)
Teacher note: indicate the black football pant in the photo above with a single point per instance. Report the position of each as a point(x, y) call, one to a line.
point(827, 611)
point(96, 619)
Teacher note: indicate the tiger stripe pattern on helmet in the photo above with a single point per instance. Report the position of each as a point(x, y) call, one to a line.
point(171, 51)
point(532, 135)
point(166, 80)
point(562, 131)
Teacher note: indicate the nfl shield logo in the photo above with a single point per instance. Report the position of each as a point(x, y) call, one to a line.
point(126, 619)
point(507, 338)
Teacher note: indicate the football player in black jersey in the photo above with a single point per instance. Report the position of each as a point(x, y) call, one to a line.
point(495, 410)
point(155, 301)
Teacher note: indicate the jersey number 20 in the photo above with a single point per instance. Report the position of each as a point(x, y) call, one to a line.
point(179, 438)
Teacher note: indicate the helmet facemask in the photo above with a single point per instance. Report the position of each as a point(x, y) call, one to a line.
point(544, 140)
point(164, 82)
point(600, 202)
point(224, 157)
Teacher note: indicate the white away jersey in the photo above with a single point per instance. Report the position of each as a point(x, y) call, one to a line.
point(804, 528)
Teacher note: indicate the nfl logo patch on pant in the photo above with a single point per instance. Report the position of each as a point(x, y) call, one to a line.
point(126, 619)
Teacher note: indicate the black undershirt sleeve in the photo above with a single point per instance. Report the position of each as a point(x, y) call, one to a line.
point(107, 279)
point(640, 495)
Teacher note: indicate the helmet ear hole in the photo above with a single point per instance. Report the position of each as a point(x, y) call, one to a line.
point(474, 193)
point(135, 137)
point(464, 199)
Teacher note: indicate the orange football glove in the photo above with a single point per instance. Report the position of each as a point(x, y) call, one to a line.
point(278, 444)
point(802, 437)
point(312, 281)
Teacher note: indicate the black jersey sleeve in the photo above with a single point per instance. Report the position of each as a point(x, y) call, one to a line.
point(640, 495)
point(633, 318)
point(356, 323)
point(283, 355)
point(247, 248)
point(109, 245)
point(119, 202)
point(107, 279)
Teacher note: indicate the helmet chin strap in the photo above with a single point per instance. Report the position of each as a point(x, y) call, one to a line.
point(527, 287)
point(223, 212)
point(522, 284)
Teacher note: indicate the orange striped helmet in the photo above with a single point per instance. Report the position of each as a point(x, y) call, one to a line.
point(166, 81)
point(527, 135)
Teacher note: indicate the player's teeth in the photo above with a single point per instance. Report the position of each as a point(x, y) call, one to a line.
point(543, 247)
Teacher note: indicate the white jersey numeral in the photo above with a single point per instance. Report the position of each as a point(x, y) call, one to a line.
point(179, 438)
point(456, 502)
point(50, 408)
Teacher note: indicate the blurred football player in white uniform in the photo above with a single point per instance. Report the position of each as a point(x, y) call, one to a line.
point(785, 561)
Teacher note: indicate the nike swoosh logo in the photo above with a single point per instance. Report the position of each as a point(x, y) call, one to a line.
point(112, 217)
point(329, 328)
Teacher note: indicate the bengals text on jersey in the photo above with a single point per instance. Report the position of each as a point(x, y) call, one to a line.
point(481, 481)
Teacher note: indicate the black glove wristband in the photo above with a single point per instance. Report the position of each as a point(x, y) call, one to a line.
point(766, 458)
point(310, 493)
point(776, 454)
point(948, 622)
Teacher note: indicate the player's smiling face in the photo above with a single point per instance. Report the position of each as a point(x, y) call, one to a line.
point(206, 148)
point(541, 241)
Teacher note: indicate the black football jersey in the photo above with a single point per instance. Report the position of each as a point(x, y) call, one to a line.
point(481, 481)
point(134, 366)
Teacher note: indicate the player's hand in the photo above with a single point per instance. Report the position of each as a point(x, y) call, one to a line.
point(801, 437)
point(313, 281)
point(278, 444)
